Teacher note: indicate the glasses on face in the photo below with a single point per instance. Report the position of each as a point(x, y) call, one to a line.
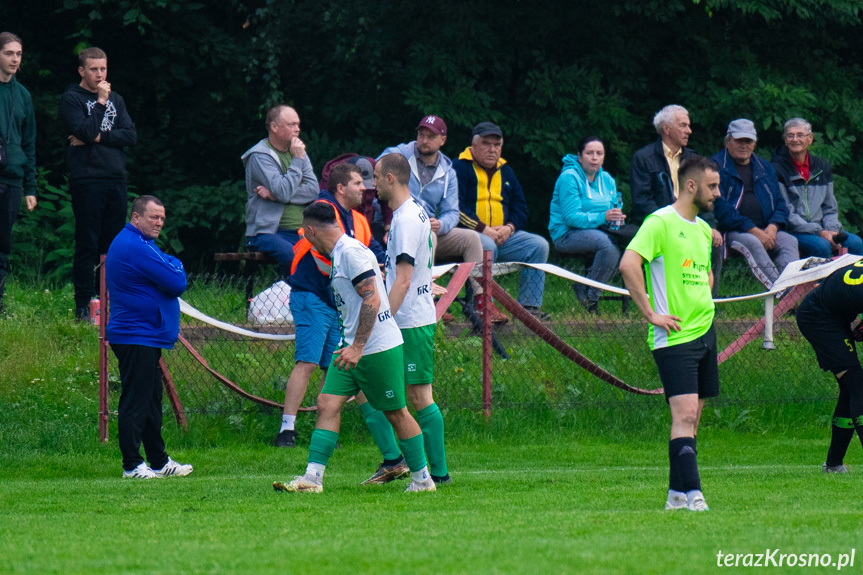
point(796, 136)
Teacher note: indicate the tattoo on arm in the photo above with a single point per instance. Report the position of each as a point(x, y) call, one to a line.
point(368, 310)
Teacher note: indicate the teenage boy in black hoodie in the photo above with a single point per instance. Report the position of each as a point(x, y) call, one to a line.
point(99, 128)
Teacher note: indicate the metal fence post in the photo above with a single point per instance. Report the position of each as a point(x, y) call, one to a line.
point(103, 353)
point(486, 333)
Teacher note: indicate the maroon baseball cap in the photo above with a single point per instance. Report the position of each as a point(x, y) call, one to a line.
point(433, 123)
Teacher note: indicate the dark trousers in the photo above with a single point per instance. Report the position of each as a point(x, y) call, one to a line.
point(100, 210)
point(10, 204)
point(139, 415)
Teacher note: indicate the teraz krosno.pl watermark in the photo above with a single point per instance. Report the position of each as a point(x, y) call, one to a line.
point(776, 558)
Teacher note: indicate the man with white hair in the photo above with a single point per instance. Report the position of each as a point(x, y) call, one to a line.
point(806, 183)
point(653, 181)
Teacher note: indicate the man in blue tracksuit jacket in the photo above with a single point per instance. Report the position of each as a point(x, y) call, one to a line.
point(143, 286)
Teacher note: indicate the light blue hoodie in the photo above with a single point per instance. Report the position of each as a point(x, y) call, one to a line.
point(578, 203)
point(440, 196)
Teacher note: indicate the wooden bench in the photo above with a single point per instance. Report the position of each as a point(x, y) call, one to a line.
point(250, 262)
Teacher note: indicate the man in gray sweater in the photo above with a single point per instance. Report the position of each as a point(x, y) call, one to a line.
point(280, 183)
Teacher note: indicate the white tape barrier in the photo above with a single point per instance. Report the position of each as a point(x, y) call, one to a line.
point(792, 275)
point(200, 316)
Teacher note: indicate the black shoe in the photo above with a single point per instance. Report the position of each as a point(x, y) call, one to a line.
point(82, 314)
point(285, 438)
point(593, 307)
point(537, 312)
point(445, 480)
point(387, 473)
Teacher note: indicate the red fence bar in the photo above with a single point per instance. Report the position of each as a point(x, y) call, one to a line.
point(103, 353)
point(486, 333)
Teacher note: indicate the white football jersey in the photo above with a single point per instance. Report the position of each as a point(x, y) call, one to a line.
point(353, 262)
point(410, 240)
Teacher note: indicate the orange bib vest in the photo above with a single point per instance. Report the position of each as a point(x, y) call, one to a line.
point(362, 233)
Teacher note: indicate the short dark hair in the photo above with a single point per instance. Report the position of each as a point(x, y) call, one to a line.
point(139, 206)
point(320, 213)
point(8, 38)
point(274, 113)
point(341, 174)
point(694, 167)
point(91, 53)
point(588, 139)
point(398, 166)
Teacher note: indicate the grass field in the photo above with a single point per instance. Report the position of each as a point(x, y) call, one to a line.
point(537, 489)
point(569, 504)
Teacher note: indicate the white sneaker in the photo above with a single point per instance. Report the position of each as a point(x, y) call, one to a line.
point(842, 468)
point(173, 468)
point(676, 500)
point(695, 501)
point(140, 472)
point(419, 486)
point(301, 484)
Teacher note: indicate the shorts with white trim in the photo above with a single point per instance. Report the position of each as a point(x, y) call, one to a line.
point(689, 367)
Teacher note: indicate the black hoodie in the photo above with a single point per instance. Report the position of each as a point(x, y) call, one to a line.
point(84, 118)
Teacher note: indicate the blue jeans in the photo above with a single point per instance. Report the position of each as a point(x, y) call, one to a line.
point(606, 254)
point(317, 328)
point(522, 247)
point(279, 245)
point(815, 246)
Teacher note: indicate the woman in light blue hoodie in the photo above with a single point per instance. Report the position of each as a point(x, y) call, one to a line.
point(581, 210)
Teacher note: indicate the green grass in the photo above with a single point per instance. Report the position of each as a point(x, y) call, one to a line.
point(565, 504)
point(568, 476)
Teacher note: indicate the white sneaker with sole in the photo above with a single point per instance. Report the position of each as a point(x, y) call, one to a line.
point(695, 501)
point(419, 486)
point(834, 468)
point(172, 468)
point(140, 472)
point(301, 484)
point(676, 500)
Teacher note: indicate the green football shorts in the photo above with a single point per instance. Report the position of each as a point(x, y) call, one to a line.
point(376, 375)
point(419, 354)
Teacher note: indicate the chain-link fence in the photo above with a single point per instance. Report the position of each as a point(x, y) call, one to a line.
point(526, 371)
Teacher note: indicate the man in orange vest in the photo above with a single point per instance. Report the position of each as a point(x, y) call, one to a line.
point(314, 310)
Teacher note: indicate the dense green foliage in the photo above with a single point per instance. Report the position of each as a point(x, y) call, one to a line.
point(198, 76)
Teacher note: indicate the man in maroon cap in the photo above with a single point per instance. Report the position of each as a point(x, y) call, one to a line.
point(434, 184)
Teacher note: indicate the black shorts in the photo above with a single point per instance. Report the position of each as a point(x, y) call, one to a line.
point(689, 367)
point(829, 337)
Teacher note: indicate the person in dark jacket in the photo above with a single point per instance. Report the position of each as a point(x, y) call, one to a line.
point(18, 128)
point(806, 183)
point(751, 211)
point(653, 176)
point(98, 128)
point(491, 202)
point(143, 284)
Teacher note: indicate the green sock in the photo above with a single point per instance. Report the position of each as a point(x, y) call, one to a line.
point(412, 448)
point(431, 423)
point(381, 430)
point(322, 445)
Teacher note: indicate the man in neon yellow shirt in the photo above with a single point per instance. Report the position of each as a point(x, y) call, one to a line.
point(674, 247)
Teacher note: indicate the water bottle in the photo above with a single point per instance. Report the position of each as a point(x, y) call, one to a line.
point(618, 203)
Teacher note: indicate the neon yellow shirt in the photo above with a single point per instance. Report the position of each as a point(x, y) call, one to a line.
point(677, 261)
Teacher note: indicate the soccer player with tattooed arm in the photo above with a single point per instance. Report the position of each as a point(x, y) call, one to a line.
point(371, 345)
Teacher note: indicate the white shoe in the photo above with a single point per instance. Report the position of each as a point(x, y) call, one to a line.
point(676, 500)
point(301, 484)
point(695, 501)
point(173, 468)
point(419, 486)
point(140, 472)
point(842, 468)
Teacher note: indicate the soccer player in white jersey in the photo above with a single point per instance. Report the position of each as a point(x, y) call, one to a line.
point(371, 345)
point(408, 281)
